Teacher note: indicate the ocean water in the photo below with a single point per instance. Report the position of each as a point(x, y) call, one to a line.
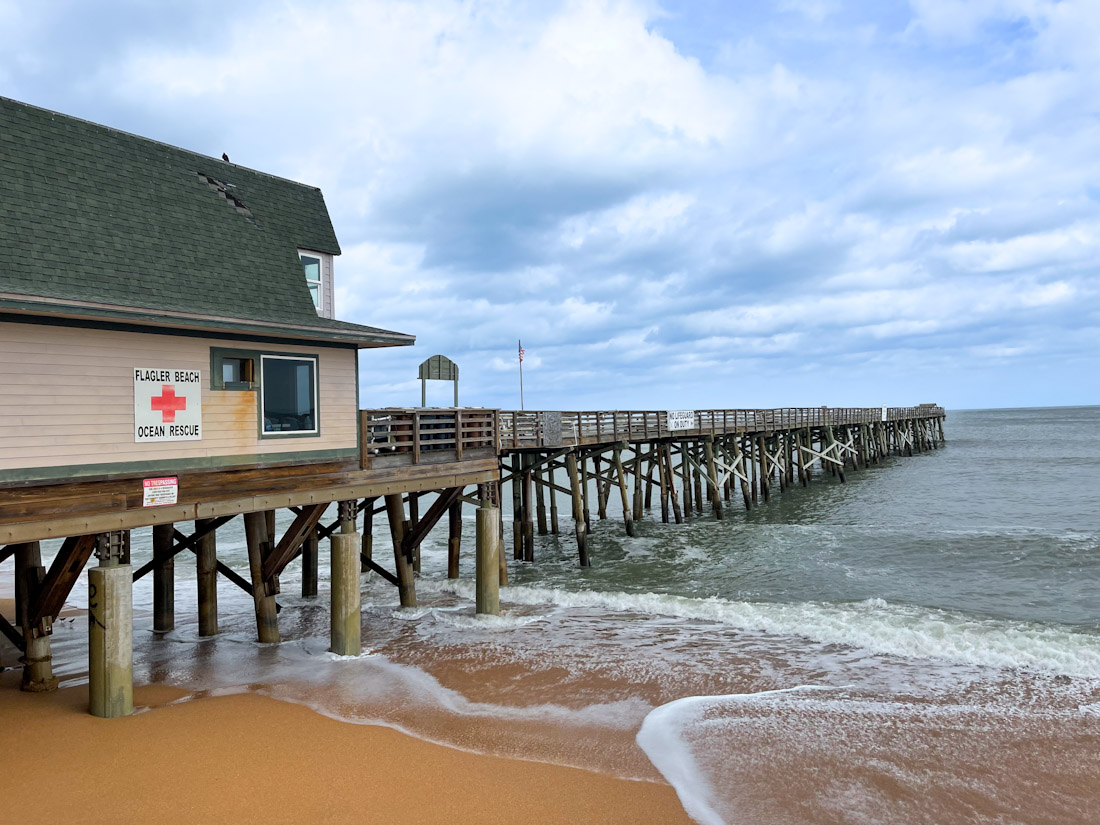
point(918, 645)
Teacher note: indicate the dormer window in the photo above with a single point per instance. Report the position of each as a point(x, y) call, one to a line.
point(312, 266)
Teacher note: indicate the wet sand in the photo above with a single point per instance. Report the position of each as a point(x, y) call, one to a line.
point(247, 758)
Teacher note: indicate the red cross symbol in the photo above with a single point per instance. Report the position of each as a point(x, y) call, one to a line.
point(167, 403)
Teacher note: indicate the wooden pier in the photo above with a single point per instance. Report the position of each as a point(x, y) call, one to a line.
point(694, 459)
point(171, 359)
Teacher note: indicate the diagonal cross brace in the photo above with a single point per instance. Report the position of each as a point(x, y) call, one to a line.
point(186, 542)
point(823, 456)
point(59, 581)
point(13, 634)
point(292, 539)
point(418, 533)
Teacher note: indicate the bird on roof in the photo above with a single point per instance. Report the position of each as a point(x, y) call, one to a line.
point(225, 157)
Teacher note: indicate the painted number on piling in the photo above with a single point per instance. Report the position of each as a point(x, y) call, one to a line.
point(167, 405)
point(681, 420)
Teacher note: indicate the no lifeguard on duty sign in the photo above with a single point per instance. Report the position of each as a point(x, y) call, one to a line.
point(167, 405)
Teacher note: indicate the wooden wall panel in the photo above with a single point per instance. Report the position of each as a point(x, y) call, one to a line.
point(67, 398)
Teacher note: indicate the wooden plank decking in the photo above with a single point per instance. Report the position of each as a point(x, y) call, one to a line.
point(538, 430)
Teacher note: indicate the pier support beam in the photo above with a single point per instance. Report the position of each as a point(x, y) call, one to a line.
point(712, 478)
point(454, 538)
point(487, 584)
point(553, 501)
point(367, 548)
point(37, 658)
point(406, 584)
point(685, 473)
point(311, 554)
point(578, 509)
point(206, 578)
point(628, 519)
point(584, 494)
point(528, 511)
point(410, 524)
point(639, 461)
point(263, 592)
point(517, 509)
point(540, 498)
point(110, 629)
point(346, 600)
point(164, 578)
point(673, 495)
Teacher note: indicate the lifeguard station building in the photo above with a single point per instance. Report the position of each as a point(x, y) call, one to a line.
point(169, 353)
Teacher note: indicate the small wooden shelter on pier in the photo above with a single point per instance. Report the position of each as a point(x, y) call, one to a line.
point(169, 355)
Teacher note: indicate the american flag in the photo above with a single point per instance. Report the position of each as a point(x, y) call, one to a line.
point(521, 352)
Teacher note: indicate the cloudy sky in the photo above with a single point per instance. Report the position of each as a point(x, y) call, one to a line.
point(674, 203)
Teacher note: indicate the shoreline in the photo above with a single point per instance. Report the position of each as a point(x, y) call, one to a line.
point(248, 758)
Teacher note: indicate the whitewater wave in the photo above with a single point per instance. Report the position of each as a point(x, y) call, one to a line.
point(872, 625)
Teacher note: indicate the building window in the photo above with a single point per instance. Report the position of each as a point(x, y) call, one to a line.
point(312, 266)
point(288, 395)
point(238, 371)
point(232, 369)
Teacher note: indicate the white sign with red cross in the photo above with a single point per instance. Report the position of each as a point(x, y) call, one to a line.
point(167, 405)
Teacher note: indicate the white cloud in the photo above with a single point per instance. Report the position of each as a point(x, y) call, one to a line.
point(637, 195)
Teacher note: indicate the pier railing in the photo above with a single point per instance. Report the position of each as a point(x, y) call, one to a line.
point(396, 436)
point(519, 429)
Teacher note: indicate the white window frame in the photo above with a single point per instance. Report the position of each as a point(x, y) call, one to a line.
point(316, 399)
point(320, 305)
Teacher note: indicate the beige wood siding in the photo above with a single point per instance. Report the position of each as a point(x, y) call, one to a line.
point(67, 399)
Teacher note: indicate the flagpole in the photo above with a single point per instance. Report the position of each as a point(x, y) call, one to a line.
point(520, 373)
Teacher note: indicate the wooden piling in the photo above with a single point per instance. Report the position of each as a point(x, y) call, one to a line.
point(662, 477)
point(406, 582)
point(552, 492)
point(673, 495)
point(750, 458)
point(345, 602)
point(414, 519)
point(603, 489)
point(639, 500)
point(833, 449)
point(164, 579)
point(487, 582)
point(697, 478)
point(742, 470)
point(685, 472)
point(540, 499)
point(584, 493)
point(765, 476)
point(37, 657)
point(454, 538)
point(367, 549)
point(263, 593)
point(517, 508)
point(712, 478)
point(650, 464)
point(206, 578)
point(528, 511)
point(628, 519)
point(578, 509)
point(110, 629)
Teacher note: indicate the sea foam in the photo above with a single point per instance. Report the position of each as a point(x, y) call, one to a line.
point(872, 625)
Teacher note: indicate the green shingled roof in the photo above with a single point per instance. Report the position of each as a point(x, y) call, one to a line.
point(91, 214)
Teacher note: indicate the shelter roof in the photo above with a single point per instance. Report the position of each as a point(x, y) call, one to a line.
point(99, 223)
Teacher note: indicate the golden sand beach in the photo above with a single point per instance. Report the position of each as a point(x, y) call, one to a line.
point(251, 759)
